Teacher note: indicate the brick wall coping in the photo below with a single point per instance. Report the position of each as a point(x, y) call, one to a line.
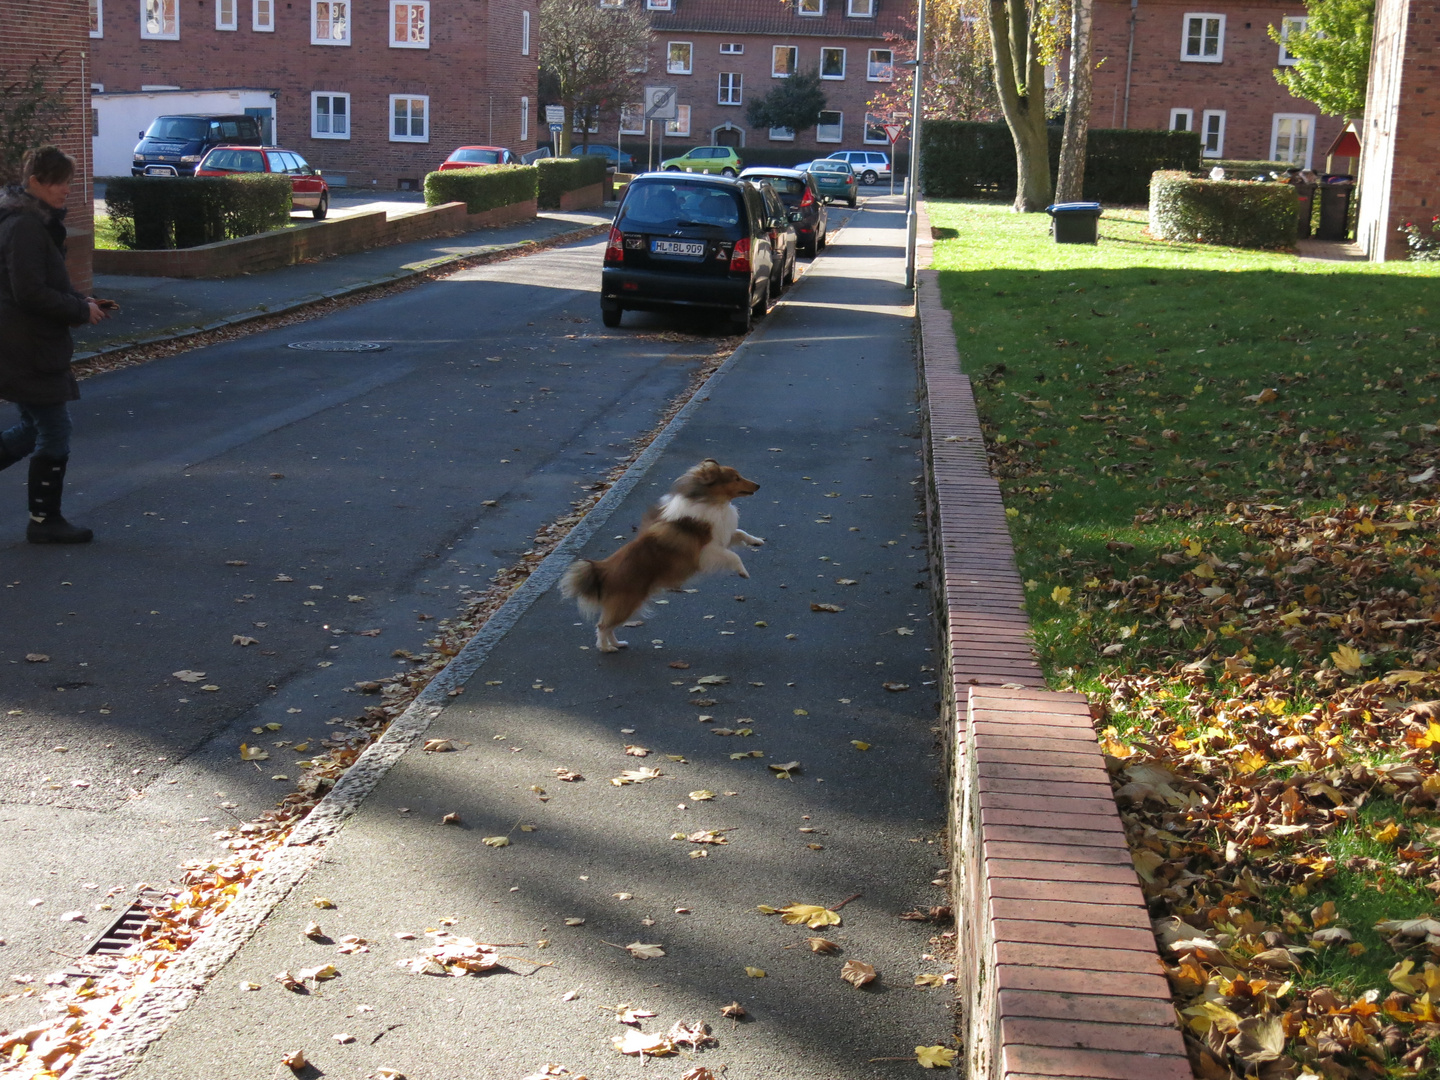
point(1058, 974)
point(317, 240)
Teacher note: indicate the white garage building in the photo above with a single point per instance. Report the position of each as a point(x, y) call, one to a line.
point(119, 118)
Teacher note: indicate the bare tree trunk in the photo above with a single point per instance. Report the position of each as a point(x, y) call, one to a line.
point(1070, 185)
point(1020, 82)
point(562, 137)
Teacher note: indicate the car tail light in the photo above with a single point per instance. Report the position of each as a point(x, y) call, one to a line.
point(740, 257)
point(808, 199)
point(614, 247)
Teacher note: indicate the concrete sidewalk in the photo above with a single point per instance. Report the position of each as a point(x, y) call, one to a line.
point(819, 407)
point(154, 308)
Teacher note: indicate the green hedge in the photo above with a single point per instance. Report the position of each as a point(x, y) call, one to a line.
point(155, 212)
point(559, 175)
point(1240, 213)
point(483, 188)
point(1244, 170)
point(969, 159)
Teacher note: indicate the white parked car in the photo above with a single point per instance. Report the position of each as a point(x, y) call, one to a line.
point(871, 166)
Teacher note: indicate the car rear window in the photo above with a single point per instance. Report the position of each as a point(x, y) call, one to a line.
point(181, 128)
point(235, 161)
point(477, 157)
point(826, 165)
point(675, 204)
point(784, 185)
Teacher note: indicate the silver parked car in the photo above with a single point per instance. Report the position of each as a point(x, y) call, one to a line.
point(871, 166)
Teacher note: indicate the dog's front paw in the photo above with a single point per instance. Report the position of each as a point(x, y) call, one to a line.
point(743, 572)
point(755, 541)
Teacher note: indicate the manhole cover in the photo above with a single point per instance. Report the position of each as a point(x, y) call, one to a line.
point(339, 346)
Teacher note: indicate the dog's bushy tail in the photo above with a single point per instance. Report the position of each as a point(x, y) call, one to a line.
point(583, 583)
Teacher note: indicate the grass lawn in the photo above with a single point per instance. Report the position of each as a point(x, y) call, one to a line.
point(107, 239)
point(1221, 471)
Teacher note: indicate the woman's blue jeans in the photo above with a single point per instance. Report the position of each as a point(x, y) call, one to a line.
point(43, 429)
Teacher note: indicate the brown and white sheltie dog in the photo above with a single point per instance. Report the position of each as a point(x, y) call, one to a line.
point(690, 531)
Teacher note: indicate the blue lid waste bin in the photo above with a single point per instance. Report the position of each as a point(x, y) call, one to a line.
point(1075, 222)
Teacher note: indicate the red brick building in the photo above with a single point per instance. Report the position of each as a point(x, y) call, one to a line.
point(1400, 138)
point(374, 92)
point(1206, 67)
point(54, 34)
point(723, 54)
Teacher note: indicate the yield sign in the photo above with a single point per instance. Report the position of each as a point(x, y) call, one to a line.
point(894, 131)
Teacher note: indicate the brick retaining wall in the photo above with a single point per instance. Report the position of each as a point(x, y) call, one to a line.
point(285, 247)
point(590, 197)
point(1058, 974)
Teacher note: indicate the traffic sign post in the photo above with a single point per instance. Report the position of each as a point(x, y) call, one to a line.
point(662, 103)
point(893, 133)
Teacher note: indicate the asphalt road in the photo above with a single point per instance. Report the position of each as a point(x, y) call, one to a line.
point(819, 408)
point(215, 477)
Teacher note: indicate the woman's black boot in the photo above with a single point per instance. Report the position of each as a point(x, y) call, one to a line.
point(47, 484)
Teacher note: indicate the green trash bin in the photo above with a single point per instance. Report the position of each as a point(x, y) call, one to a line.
point(1075, 222)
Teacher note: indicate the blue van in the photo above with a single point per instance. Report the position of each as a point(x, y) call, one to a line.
point(174, 145)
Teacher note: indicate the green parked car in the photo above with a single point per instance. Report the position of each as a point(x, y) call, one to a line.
point(715, 160)
point(835, 180)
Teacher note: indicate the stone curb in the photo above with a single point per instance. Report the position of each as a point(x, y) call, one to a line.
point(407, 271)
point(1058, 972)
point(147, 1017)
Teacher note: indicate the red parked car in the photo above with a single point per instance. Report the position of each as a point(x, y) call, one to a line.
point(476, 157)
point(311, 191)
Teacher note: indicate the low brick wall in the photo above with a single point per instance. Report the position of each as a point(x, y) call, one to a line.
point(316, 240)
point(585, 198)
point(1058, 975)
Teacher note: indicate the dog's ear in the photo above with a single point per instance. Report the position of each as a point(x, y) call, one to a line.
point(708, 471)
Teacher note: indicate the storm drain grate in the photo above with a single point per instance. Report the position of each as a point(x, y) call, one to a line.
point(121, 935)
point(339, 346)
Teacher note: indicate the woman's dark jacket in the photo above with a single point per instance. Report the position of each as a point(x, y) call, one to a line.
point(37, 304)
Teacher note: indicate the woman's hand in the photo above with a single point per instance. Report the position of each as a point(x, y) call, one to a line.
point(95, 313)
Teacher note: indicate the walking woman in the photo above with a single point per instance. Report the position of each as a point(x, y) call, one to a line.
point(37, 309)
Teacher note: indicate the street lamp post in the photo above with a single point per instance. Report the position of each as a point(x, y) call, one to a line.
point(912, 218)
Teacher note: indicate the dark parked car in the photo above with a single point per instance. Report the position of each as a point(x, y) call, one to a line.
point(782, 239)
point(834, 179)
point(691, 241)
point(622, 161)
point(310, 192)
point(174, 145)
point(797, 191)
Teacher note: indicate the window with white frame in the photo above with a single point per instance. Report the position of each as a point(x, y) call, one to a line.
point(409, 24)
point(880, 66)
point(660, 5)
point(524, 119)
point(329, 22)
point(329, 115)
point(525, 33)
point(1291, 136)
point(875, 128)
point(1182, 119)
point(810, 7)
point(783, 59)
point(97, 18)
point(830, 127)
point(832, 63)
point(409, 118)
point(681, 124)
point(1212, 133)
point(160, 19)
point(226, 15)
point(731, 84)
point(1290, 24)
point(582, 114)
point(782, 135)
point(1204, 38)
point(632, 119)
point(262, 16)
point(731, 48)
point(678, 55)
point(860, 9)
point(612, 3)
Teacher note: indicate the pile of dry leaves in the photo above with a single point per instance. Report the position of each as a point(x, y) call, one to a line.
point(1273, 751)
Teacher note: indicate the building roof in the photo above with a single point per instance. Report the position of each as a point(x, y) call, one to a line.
point(778, 18)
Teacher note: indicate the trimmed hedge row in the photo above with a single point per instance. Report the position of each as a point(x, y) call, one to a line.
point(161, 212)
point(1235, 212)
point(559, 175)
point(969, 159)
point(1236, 169)
point(483, 188)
